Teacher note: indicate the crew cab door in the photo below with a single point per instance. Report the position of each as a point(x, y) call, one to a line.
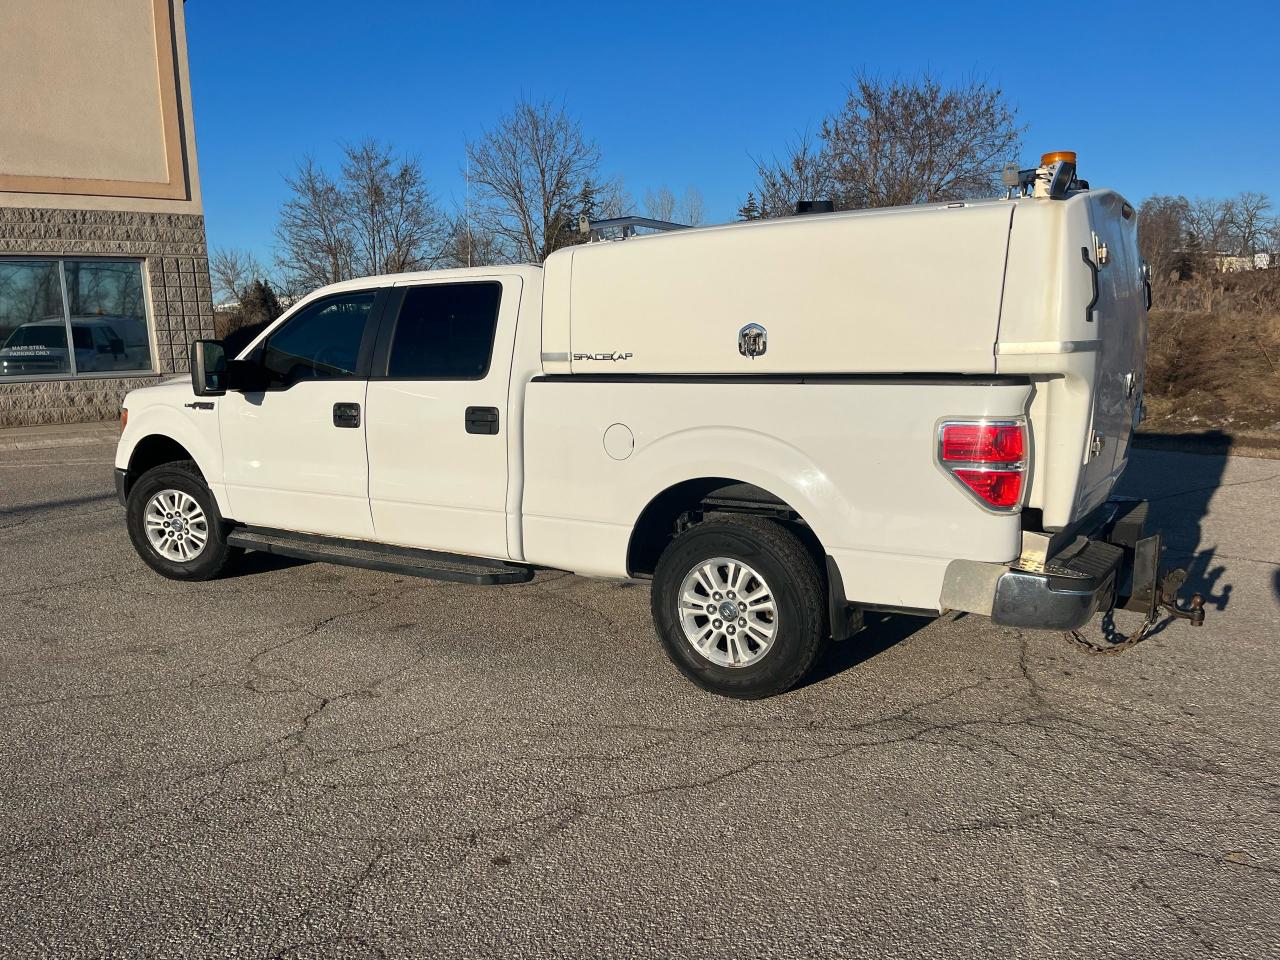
point(437, 416)
point(294, 453)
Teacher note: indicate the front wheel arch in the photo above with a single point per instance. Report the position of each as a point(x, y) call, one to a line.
point(154, 450)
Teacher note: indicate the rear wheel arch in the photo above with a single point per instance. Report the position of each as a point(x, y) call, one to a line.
point(684, 504)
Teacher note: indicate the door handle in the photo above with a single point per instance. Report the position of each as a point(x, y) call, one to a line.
point(483, 420)
point(346, 414)
point(1093, 277)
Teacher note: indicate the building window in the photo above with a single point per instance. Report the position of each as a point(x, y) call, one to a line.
point(72, 318)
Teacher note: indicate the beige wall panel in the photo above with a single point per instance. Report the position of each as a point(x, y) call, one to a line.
point(95, 108)
point(82, 95)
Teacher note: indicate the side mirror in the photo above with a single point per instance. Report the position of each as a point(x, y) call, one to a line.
point(208, 368)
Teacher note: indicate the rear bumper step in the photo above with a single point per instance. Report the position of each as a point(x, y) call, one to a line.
point(1109, 562)
point(380, 556)
point(1063, 596)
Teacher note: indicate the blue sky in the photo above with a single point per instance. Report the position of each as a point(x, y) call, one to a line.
point(1157, 97)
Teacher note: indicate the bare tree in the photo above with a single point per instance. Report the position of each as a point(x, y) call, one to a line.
point(801, 173)
point(232, 270)
point(915, 141)
point(377, 217)
point(1250, 223)
point(693, 208)
point(535, 173)
point(316, 246)
point(897, 142)
point(1209, 222)
point(468, 245)
point(391, 216)
point(611, 199)
point(660, 204)
point(1163, 224)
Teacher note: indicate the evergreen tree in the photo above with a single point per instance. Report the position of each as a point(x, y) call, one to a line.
point(258, 306)
point(259, 303)
point(751, 209)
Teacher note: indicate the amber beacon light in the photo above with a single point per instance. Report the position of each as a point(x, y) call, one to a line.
point(1053, 157)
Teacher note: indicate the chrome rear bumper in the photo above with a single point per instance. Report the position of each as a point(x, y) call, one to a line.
point(1108, 562)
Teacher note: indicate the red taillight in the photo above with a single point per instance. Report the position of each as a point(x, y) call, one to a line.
point(989, 459)
point(1000, 488)
point(982, 442)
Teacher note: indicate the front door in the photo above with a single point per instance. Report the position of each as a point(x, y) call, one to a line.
point(437, 414)
point(294, 453)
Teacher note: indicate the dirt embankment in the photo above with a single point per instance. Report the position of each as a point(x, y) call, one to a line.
point(1213, 361)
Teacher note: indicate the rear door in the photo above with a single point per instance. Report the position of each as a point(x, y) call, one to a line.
point(294, 453)
point(437, 408)
point(1120, 312)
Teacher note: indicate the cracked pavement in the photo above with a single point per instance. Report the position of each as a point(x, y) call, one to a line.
point(312, 761)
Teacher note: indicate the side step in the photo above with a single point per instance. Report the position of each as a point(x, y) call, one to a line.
point(380, 556)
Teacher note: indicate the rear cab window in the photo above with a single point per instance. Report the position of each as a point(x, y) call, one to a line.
point(445, 331)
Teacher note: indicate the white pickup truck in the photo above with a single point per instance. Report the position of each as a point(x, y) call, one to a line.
point(782, 423)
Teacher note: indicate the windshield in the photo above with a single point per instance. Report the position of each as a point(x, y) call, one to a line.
point(45, 336)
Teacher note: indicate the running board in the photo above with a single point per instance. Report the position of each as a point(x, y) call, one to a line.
point(380, 556)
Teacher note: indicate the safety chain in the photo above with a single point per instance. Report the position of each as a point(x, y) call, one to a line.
point(1115, 641)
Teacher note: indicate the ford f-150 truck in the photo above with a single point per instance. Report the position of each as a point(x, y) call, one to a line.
point(781, 423)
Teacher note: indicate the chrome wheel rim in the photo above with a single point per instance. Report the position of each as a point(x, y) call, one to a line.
point(728, 612)
point(176, 526)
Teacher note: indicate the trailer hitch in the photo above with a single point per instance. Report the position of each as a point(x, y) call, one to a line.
point(1167, 599)
point(1150, 593)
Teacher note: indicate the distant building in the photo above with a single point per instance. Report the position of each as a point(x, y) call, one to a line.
point(1231, 263)
point(104, 276)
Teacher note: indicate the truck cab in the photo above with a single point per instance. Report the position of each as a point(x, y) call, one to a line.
point(782, 424)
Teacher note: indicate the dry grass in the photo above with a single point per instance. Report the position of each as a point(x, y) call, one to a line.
point(1213, 361)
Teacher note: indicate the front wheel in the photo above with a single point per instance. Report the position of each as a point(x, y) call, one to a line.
point(175, 525)
point(740, 606)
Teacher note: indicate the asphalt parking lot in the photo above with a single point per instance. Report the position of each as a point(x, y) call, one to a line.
point(311, 761)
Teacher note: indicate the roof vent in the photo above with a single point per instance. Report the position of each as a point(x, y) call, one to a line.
point(804, 207)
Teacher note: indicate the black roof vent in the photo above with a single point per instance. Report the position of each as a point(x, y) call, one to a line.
point(814, 206)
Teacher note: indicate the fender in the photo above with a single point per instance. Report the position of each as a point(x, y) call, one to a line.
point(195, 430)
point(745, 455)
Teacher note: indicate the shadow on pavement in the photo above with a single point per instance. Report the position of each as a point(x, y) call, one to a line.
point(881, 632)
point(1180, 499)
point(257, 561)
point(42, 505)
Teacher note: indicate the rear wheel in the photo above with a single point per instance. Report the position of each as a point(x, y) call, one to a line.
point(175, 525)
point(740, 606)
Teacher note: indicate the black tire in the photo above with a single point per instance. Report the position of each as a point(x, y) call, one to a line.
point(185, 476)
point(798, 589)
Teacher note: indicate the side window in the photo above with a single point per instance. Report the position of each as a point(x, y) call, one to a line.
point(445, 332)
point(320, 343)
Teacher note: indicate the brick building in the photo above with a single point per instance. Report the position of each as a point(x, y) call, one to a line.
point(104, 276)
